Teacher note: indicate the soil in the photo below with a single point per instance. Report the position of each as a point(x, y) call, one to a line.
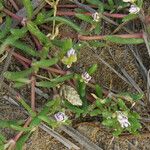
point(40, 140)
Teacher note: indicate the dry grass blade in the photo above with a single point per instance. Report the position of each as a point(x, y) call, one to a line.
point(146, 42)
point(148, 86)
point(60, 138)
point(139, 62)
point(84, 141)
point(112, 69)
point(6, 65)
point(127, 76)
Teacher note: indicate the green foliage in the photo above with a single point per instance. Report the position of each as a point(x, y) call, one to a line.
point(104, 107)
point(32, 27)
point(120, 40)
point(29, 8)
point(65, 21)
point(54, 82)
point(4, 32)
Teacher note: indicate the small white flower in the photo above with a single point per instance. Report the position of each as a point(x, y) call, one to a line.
point(24, 22)
point(96, 16)
point(70, 57)
point(86, 77)
point(60, 117)
point(123, 119)
point(134, 9)
point(129, 1)
point(71, 52)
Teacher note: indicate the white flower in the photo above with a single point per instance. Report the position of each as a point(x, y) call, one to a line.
point(86, 77)
point(134, 9)
point(123, 119)
point(131, 1)
point(71, 52)
point(60, 117)
point(70, 58)
point(96, 16)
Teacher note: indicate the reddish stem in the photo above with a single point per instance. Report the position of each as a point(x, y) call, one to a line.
point(71, 13)
point(69, 6)
point(114, 15)
point(20, 133)
point(6, 11)
point(22, 62)
point(33, 81)
point(54, 70)
point(101, 37)
point(22, 58)
point(37, 43)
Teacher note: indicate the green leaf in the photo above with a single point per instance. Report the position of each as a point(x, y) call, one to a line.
point(99, 91)
point(140, 3)
point(25, 48)
point(121, 104)
point(82, 93)
point(28, 5)
point(43, 53)
point(45, 63)
point(111, 2)
point(117, 132)
point(27, 107)
point(66, 21)
point(20, 128)
point(94, 2)
point(54, 82)
point(50, 122)
point(67, 45)
point(96, 44)
point(22, 140)
point(73, 108)
point(17, 75)
point(8, 123)
point(62, 79)
point(84, 17)
point(7, 28)
point(32, 27)
point(93, 69)
point(95, 112)
point(40, 18)
point(1, 6)
point(7, 42)
point(46, 84)
point(107, 114)
point(109, 122)
point(19, 32)
point(120, 40)
point(2, 138)
point(19, 85)
point(129, 17)
point(136, 97)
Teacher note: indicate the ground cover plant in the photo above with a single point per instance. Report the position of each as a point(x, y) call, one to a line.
point(47, 62)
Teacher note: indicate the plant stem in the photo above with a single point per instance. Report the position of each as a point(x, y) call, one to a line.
point(101, 37)
point(6, 11)
point(71, 13)
point(33, 81)
point(21, 132)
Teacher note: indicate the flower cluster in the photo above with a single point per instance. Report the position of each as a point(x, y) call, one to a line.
point(123, 119)
point(96, 16)
point(70, 58)
point(133, 8)
point(60, 117)
point(86, 77)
